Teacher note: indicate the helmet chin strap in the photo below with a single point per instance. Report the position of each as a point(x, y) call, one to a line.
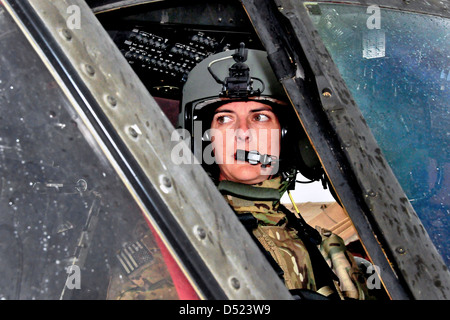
point(254, 157)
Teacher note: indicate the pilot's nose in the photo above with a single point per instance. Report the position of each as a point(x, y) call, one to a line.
point(243, 132)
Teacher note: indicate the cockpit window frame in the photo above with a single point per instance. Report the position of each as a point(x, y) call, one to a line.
point(348, 151)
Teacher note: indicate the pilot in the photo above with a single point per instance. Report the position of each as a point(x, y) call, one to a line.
point(242, 127)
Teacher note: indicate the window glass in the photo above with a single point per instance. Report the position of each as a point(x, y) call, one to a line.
point(69, 229)
point(397, 67)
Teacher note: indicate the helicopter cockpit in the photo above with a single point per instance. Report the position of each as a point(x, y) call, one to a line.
point(90, 95)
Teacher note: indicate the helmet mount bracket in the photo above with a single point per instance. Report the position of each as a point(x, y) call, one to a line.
point(239, 83)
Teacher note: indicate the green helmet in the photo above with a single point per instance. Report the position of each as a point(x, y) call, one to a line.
point(204, 85)
point(238, 75)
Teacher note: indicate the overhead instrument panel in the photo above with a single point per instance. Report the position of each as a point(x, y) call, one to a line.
point(162, 63)
point(162, 44)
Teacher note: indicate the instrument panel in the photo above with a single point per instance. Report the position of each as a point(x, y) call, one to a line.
point(162, 45)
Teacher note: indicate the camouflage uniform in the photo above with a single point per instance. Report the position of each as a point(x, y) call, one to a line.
point(283, 243)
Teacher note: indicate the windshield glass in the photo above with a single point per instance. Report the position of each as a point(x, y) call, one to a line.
point(397, 66)
point(69, 229)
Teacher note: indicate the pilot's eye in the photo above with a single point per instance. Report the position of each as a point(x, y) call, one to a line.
point(261, 117)
point(223, 119)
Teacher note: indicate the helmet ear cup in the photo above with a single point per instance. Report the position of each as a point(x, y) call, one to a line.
point(307, 161)
point(284, 133)
point(206, 136)
point(297, 151)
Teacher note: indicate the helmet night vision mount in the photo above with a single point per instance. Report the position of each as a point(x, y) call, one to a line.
point(239, 82)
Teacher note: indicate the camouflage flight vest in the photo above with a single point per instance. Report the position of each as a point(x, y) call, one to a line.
point(308, 259)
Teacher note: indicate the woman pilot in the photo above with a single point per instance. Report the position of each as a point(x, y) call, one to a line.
point(248, 129)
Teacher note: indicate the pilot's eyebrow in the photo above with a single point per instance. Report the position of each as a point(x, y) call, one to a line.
point(262, 109)
point(253, 111)
point(223, 110)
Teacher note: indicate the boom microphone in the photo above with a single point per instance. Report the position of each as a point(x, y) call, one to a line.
point(254, 157)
